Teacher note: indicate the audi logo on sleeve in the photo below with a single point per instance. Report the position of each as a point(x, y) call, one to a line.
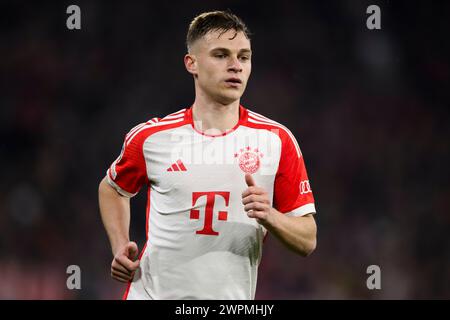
point(305, 187)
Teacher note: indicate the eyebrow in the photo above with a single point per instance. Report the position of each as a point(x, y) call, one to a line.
point(245, 50)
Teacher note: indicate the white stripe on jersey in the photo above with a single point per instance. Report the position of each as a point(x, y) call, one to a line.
point(160, 123)
point(173, 117)
point(129, 134)
point(153, 120)
point(261, 117)
point(176, 113)
point(179, 111)
point(134, 130)
point(253, 119)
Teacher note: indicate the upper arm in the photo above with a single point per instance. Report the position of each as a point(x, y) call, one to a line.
point(307, 218)
point(308, 224)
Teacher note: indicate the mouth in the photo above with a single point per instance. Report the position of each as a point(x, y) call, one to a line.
point(234, 82)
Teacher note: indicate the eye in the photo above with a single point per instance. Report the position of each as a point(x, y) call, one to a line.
point(245, 58)
point(220, 56)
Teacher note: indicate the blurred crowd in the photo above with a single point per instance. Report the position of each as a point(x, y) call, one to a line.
point(370, 110)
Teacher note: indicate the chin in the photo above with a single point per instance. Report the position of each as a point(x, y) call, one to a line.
point(227, 98)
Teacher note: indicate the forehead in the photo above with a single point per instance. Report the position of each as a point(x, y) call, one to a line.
point(230, 39)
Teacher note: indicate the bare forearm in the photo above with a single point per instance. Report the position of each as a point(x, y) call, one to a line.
point(115, 213)
point(297, 233)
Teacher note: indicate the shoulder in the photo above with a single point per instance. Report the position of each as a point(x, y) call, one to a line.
point(142, 131)
point(258, 121)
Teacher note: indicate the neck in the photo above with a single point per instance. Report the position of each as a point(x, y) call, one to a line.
point(215, 117)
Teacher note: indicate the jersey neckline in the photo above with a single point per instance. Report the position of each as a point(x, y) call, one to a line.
point(242, 120)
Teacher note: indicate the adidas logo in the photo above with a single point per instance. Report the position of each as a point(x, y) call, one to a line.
point(177, 166)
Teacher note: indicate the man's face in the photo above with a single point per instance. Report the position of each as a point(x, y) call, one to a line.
point(222, 65)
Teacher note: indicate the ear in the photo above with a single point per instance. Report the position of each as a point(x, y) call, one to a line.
point(190, 62)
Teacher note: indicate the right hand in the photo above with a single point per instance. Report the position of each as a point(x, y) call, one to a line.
point(123, 265)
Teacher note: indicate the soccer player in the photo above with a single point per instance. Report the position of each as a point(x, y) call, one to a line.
point(218, 178)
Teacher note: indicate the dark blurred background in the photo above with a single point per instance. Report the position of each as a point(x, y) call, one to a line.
point(370, 109)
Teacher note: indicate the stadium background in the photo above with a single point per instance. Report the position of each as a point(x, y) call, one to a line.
point(370, 110)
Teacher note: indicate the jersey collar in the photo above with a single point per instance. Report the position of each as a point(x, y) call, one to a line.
point(243, 114)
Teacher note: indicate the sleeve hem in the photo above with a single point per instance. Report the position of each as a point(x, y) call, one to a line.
point(118, 189)
point(302, 211)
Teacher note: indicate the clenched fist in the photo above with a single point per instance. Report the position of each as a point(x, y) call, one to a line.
point(123, 265)
point(257, 203)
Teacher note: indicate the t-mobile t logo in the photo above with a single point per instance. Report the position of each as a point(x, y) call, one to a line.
point(209, 210)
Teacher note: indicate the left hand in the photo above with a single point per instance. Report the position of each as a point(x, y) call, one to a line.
point(256, 202)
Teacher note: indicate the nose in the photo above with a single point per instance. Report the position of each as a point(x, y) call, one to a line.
point(235, 65)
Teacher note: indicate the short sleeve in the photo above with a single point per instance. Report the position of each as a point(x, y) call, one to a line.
point(292, 191)
point(128, 172)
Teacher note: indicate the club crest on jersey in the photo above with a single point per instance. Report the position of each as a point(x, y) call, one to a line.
point(249, 159)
